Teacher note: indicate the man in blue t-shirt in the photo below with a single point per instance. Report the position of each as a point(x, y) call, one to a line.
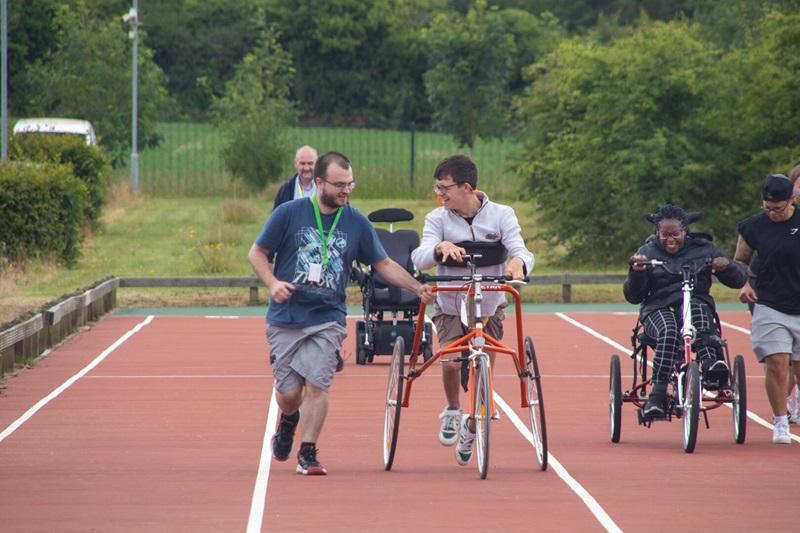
point(315, 240)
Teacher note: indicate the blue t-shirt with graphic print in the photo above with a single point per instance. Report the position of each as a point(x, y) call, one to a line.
point(291, 232)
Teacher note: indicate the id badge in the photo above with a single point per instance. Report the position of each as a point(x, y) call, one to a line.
point(315, 272)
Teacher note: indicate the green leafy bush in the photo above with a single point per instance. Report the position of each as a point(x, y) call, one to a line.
point(88, 163)
point(42, 208)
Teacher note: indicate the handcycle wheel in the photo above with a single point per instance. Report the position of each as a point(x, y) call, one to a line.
point(739, 391)
point(691, 406)
point(615, 398)
point(536, 404)
point(394, 401)
point(483, 413)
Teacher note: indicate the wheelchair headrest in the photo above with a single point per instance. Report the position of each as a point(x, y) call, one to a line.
point(492, 253)
point(391, 214)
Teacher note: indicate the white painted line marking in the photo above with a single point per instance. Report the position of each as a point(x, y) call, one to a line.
point(187, 376)
point(595, 508)
point(750, 414)
point(735, 327)
point(259, 500)
point(64, 386)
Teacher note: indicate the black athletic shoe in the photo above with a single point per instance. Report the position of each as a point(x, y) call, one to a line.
point(307, 463)
point(715, 374)
point(284, 436)
point(656, 406)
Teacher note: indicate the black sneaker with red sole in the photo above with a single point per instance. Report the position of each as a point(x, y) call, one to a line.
point(284, 436)
point(307, 463)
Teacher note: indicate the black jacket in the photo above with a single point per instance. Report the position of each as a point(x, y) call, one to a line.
point(285, 192)
point(656, 287)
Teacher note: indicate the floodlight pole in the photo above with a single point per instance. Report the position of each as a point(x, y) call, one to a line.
point(132, 18)
point(4, 67)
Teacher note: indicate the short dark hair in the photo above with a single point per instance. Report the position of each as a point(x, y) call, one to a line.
point(326, 160)
point(459, 167)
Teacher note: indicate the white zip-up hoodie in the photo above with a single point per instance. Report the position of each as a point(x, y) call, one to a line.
point(493, 222)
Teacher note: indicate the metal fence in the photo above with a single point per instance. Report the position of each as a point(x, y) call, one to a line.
point(394, 163)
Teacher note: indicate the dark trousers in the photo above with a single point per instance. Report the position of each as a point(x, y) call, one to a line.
point(664, 325)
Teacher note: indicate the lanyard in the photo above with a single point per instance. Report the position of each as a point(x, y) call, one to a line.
point(322, 236)
point(300, 188)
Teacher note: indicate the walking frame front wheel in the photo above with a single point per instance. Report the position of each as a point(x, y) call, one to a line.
point(394, 402)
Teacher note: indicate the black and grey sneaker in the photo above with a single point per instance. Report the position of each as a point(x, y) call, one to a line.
point(656, 406)
point(715, 374)
point(284, 436)
point(307, 463)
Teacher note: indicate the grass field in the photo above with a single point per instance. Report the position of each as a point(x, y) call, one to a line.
point(188, 162)
point(170, 237)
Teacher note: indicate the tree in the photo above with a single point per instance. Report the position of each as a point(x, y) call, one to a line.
point(471, 60)
point(198, 45)
point(613, 131)
point(255, 113)
point(88, 76)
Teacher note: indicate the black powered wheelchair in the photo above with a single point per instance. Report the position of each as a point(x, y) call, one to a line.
point(389, 312)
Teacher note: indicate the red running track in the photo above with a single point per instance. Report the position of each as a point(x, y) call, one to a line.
point(165, 432)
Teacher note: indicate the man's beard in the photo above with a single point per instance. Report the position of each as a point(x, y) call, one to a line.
point(328, 200)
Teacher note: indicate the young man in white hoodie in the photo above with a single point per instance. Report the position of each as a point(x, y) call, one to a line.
point(466, 214)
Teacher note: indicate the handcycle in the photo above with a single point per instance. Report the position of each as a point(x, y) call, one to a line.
point(689, 396)
point(477, 345)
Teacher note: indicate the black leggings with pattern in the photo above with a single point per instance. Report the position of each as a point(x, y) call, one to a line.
point(664, 326)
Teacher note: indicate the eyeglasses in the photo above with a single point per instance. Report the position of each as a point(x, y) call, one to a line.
point(775, 210)
point(342, 185)
point(441, 189)
point(671, 234)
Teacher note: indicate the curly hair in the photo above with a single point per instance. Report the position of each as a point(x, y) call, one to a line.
point(669, 212)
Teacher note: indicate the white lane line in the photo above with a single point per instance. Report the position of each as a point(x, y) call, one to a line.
point(259, 500)
point(64, 386)
point(750, 414)
point(735, 327)
point(185, 376)
point(588, 500)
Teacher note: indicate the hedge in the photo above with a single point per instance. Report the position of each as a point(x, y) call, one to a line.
point(88, 163)
point(42, 209)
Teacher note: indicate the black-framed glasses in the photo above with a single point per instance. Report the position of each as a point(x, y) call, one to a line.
point(341, 185)
point(776, 210)
point(441, 189)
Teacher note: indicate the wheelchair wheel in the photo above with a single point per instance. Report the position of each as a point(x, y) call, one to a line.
point(536, 404)
point(739, 390)
point(361, 353)
point(394, 401)
point(691, 406)
point(615, 398)
point(483, 413)
point(427, 348)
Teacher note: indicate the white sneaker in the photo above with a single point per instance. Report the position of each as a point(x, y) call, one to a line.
point(466, 439)
point(451, 421)
point(780, 432)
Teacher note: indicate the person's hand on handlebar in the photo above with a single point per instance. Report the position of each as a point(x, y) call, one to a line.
point(447, 249)
point(719, 263)
point(515, 269)
point(639, 263)
point(425, 293)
